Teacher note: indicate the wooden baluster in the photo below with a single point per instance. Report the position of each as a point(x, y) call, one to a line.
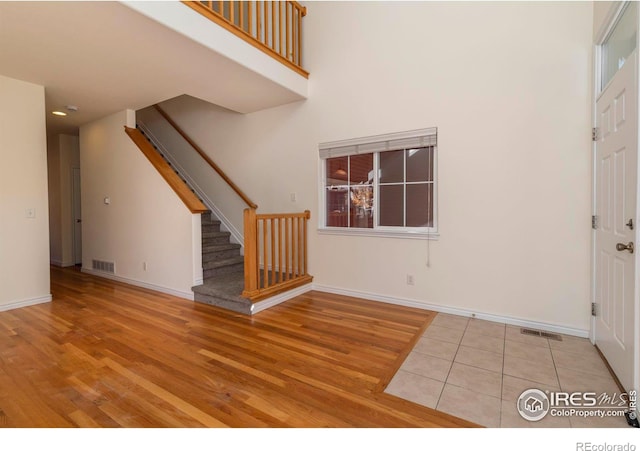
point(241, 14)
point(250, 13)
point(265, 268)
point(221, 8)
point(232, 11)
point(273, 252)
point(293, 247)
point(299, 61)
point(287, 29)
point(210, 4)
point(280, 247)
point(280, 21)
point(273, 25)
point(286, 248)
point(300, 248)
point(294, 33)
point(250, 252)
point(258, 24)
point(266, 23)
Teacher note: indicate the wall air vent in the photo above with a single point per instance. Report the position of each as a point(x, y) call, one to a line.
point(540, 333)
point(99, 265)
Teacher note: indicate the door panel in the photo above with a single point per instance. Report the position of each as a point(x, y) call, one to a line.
point(616, 185)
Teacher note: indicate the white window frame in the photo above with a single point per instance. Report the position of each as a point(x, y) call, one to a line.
point(426, 137)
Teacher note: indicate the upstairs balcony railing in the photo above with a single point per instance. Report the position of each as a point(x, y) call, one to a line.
point(275, 27)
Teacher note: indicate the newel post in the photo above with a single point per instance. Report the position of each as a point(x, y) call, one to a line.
point(250, 252)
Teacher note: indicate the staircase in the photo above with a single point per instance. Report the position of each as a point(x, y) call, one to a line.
point(223, 270)
point(222, 264)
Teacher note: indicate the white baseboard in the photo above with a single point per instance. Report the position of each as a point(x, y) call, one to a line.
point(279, 299)
point(61, 264)
point(138, 283)
point(520, 322)
point(25, 303)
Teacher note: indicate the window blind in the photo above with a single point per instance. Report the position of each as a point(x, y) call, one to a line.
point(424, 137)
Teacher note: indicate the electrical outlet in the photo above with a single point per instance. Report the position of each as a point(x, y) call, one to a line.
point(410, 280)
point(294, 197)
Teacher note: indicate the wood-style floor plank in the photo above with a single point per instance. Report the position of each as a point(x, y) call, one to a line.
point(106, 354)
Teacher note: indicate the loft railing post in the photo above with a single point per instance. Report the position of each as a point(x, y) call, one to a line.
point(307, 216)
point(250, 253)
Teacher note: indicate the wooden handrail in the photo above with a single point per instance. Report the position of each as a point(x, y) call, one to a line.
point(278, 243)
point(206, 158)
point(271, 28)
point(192, 202)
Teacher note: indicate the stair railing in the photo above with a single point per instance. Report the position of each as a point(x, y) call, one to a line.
point(275, 27)
point(275, 245)
point(206, 158)
point(275, 253)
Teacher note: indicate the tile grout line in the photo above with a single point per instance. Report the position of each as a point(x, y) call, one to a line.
point(452, 362)
point(555, 368)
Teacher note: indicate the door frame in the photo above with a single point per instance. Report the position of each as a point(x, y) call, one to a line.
point(74, 249)
point(612, 18)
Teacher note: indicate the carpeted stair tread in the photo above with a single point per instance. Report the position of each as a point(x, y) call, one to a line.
point(222, 263)
point(228, 286)
point(224, 291)
point(215, 234)
point(219, 247)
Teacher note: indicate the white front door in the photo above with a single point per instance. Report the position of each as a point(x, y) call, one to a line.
point(615, 252)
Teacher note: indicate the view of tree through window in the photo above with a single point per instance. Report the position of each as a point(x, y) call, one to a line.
point(404, 188)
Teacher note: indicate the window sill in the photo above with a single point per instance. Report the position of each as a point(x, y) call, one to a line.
point(405, 234)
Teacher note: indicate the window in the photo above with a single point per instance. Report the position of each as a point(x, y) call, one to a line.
point(382, 185)
point(619, 44)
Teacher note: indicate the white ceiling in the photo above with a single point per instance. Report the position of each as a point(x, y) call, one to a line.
point(105, 57)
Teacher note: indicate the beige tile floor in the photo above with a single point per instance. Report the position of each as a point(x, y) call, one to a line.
point(477, 369)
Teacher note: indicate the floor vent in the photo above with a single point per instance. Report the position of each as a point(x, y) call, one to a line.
point(539, 333)
point(99, 265)
point(551, 336)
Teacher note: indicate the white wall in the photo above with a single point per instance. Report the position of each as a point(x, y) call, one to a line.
point(145, 221)
point(508, 86)
point(24, 242)
point(63, 154)
point(602, 12)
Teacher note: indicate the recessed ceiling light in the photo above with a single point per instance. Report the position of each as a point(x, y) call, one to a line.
point(59, 113)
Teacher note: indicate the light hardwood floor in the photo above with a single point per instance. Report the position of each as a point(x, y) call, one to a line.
point(105, 354)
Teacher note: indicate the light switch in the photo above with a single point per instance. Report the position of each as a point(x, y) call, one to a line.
point(107, 200)
point(294, 197)
point(30, 213)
